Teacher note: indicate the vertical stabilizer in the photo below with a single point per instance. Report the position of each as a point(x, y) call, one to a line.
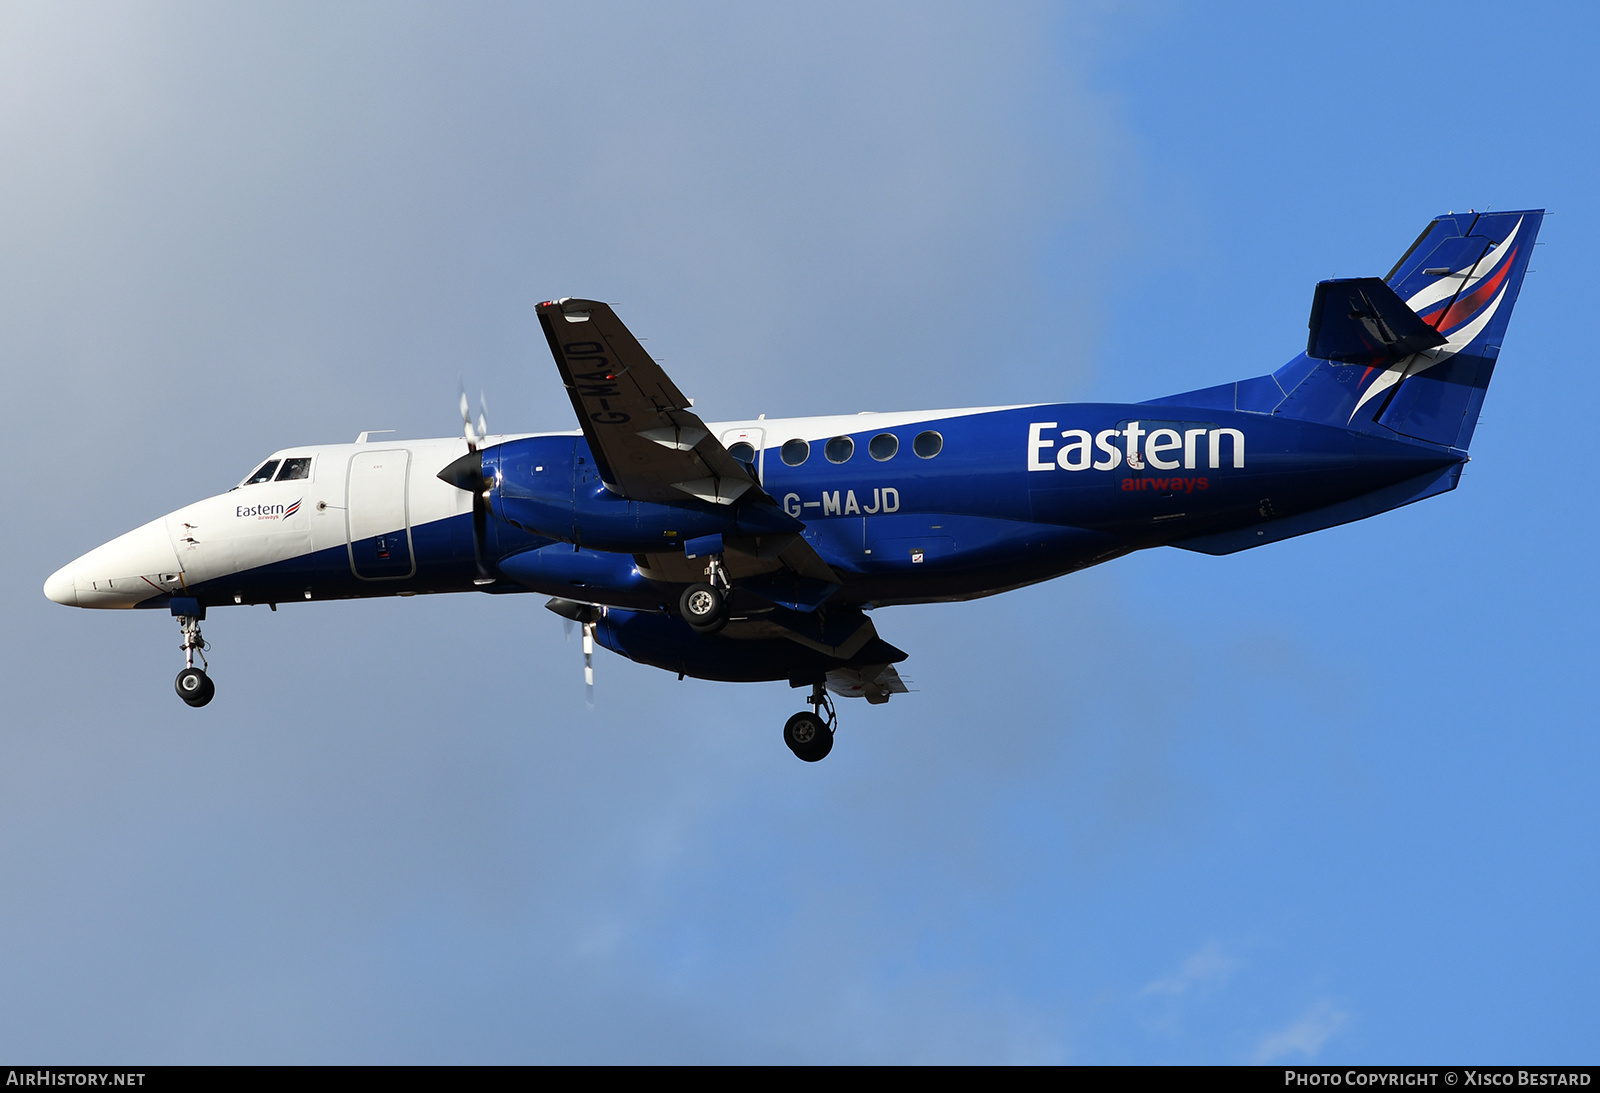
point(1409, 355)
point(1460, 278)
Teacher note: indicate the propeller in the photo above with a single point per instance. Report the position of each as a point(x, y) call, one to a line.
point(474, 436)
point(586, 615)
point(588, 663)
point(466, 473)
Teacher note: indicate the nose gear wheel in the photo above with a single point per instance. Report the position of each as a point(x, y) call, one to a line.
point(195, 687)
point(192, 684)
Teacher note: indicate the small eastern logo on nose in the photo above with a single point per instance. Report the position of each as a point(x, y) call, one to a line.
point(268, 512)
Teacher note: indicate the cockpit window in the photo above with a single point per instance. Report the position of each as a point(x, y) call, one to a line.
point(264, 474)
point(299, 467)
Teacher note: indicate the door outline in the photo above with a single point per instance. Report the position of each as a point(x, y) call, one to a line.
point(405, 508)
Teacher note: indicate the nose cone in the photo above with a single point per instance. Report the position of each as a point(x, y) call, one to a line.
point(62, 586)
point(122, 573)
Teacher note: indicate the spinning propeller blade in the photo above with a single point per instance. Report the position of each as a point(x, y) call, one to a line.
point(466, 422)
point(467, 474)
point(585, 614)
point(588, 663)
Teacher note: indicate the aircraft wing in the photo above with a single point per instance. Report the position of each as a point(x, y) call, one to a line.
point(648, 443)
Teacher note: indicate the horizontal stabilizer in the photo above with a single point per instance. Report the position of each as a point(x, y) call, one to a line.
point(1361, 320)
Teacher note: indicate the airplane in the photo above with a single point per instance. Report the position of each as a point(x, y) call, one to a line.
point(760, 550)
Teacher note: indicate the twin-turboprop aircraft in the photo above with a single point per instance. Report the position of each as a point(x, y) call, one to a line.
point(755, 550)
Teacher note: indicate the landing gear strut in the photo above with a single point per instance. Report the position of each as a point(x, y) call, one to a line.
point(809, 734)
point(193, 685)
point(704, 605)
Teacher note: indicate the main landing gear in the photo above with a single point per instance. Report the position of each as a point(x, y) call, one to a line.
point(809, 733)
point(193, 685)
point(704, 605)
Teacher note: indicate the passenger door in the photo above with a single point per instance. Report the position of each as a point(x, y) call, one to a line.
point(377, 520)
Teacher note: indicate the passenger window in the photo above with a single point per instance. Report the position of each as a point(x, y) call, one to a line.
point(795, 452)
point(928, 444)
point(743, 452)
point(883, 446)
point(839, 449)
point(264, 474)
point(294, 468)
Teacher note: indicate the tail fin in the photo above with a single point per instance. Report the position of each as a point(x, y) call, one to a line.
point(1416, 360)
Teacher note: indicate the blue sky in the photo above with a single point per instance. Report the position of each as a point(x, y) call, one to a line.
point(1331, 800)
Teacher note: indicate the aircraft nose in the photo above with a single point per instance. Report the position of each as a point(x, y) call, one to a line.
point(62, 587)
point(128, 570)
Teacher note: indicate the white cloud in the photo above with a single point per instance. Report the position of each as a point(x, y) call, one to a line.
point(1304, 1036)
point(1207, 966)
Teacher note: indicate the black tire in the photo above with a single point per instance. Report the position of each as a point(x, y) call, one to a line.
point(808, 736)
point(195, 687)
point(704, 607)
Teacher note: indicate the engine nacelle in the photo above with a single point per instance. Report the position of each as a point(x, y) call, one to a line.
point(586, 575)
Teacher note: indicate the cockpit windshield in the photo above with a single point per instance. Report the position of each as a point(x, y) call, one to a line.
point(298, 467)
point(264, 474)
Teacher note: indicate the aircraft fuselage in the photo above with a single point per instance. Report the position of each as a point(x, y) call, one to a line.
point(1010, 497)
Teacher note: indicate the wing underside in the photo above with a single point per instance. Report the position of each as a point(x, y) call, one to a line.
point(648, 443)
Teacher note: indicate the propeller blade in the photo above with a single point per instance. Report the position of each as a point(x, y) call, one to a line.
point(466, 421)
point(587, 614)
point(483, 416)
point(480, 528)
point(588, 663)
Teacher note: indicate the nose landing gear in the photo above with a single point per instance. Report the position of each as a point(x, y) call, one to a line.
point(195, 687)
point(809, 733)
point(192, 684)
